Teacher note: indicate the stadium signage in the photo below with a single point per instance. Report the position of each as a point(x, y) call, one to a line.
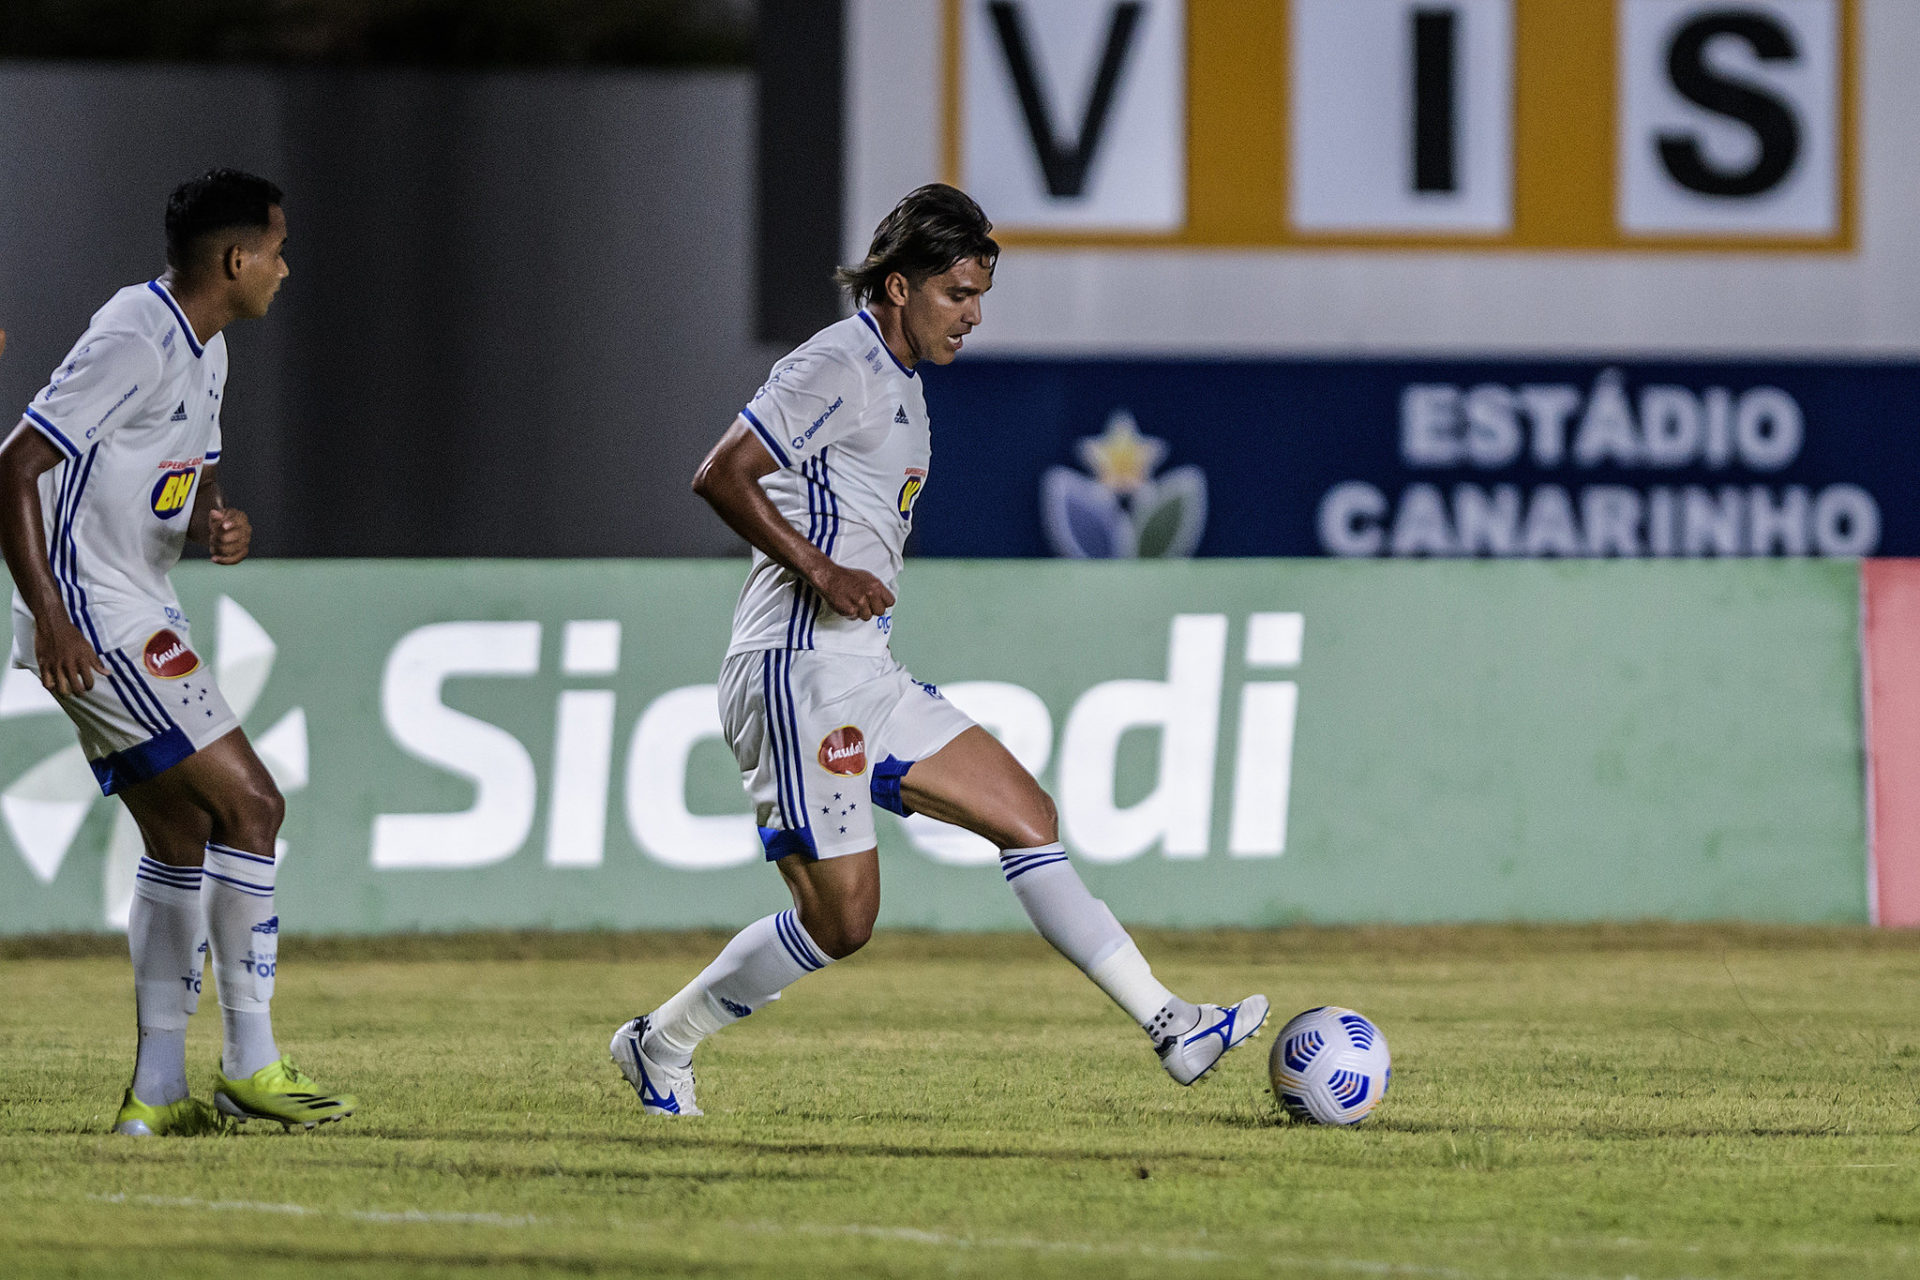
point(1176, 814)
point(503, 744)
point(1544, 124)
point(1462, 457)
point(1732, 434)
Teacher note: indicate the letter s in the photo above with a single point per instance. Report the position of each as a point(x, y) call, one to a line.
point(429, 730)
point(1774, 125)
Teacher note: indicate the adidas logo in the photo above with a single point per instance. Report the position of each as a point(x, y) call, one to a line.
point(900, 415)
point(180, 414)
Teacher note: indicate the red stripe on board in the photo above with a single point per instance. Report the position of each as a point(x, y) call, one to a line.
point(1890, 640)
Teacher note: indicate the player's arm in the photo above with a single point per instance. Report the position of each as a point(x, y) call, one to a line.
point(221, 529)
point(67, 661)
point(729, 481)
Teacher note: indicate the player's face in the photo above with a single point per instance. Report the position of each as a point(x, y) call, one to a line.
point(944, 309)
point(262, 266)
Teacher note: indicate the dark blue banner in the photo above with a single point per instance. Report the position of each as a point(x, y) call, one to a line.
point(1120, 458)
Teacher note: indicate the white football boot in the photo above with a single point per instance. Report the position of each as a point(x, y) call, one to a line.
point(1192, 1054)
point(663, 1090)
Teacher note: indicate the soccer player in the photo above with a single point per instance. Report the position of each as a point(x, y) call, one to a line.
point(114, 467)
point(820, 473)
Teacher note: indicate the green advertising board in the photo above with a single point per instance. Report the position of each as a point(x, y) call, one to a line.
point(535, 744)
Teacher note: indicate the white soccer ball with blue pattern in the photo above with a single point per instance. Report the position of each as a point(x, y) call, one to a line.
point(1330, 1066)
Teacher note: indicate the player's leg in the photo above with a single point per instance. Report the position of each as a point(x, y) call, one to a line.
point(242, 810)
point(835, 902)
point(228, 783)
point(974, 782)
point(771, 718)
point(166, 934)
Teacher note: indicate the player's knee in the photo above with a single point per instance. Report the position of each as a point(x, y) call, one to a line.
point(1037, 825)
point(253, 812)
point(845, 931)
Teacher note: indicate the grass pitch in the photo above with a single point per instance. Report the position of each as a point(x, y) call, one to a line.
point(1648, 1102)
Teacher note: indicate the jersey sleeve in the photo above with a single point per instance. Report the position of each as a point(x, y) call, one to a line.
point(810, 400)
point(95, 391)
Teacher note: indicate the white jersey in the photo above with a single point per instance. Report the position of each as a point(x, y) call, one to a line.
point(847, 423)
point(135, 408)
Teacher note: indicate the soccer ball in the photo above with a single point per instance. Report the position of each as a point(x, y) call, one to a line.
point(1330, 1066)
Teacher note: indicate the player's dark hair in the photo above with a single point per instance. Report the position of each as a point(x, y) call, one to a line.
point(927, 232)
point(217, 200)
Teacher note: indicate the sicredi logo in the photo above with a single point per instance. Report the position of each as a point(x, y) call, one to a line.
point(844, 751)
point(1111, 810)
point(167, 656)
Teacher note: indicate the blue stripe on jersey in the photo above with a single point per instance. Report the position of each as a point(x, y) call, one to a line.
point(140, 686)
point(826, 483)
point(883, 343)
point(160, 292)
point(71, 553)
point(65, 563)
point(783, 791)
point(766, 438)
point(793, 738)
point(213, 455)
point(798, 607)
point(48, 429)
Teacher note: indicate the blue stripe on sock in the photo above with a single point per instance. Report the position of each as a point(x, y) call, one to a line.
point(788, 928)
point(1017, 872)
point(232, 852)
point(244, 886)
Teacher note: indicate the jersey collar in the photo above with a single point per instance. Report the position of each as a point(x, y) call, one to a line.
point(883, 344)
point(186, 329)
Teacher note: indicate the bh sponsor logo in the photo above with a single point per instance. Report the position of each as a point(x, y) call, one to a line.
point(167, 656)
point(910, 493)
point(171, 492)
point(1220, 708)
point(844, 751)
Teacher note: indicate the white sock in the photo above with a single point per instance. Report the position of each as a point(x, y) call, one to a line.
point(245, 934)
point(1082, 929)
point(163, 937)
point(768, 955)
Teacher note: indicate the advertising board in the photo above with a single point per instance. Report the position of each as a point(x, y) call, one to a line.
point(526, 744)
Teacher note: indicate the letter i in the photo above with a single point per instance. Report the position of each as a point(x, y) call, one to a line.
point(1263, 764)
point(582, 749)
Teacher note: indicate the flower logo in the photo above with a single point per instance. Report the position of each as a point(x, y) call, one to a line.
point(1123, 511)
point(45, 807)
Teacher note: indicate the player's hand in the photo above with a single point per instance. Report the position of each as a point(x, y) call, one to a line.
point(67, 661)
point(853, 593)
point(229, 534)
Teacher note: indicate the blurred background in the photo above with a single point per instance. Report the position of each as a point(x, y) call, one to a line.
point(1285, 286)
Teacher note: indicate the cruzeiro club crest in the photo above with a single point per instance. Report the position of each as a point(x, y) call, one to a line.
point(44, 808)
point(1123, 511)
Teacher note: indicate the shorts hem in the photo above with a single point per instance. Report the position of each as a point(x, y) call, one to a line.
point(138, 763)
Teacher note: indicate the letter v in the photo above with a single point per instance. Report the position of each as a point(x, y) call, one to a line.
point(1064, 167)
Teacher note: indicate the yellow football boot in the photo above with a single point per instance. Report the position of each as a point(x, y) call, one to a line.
point(280, 1091)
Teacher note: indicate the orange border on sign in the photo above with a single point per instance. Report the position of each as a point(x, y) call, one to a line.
point(1565, 142)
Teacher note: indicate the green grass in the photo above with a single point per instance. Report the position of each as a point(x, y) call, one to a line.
point(1651, 1102)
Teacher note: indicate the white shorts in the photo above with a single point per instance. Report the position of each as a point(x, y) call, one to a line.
point(154, 706)
point(822, 738)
